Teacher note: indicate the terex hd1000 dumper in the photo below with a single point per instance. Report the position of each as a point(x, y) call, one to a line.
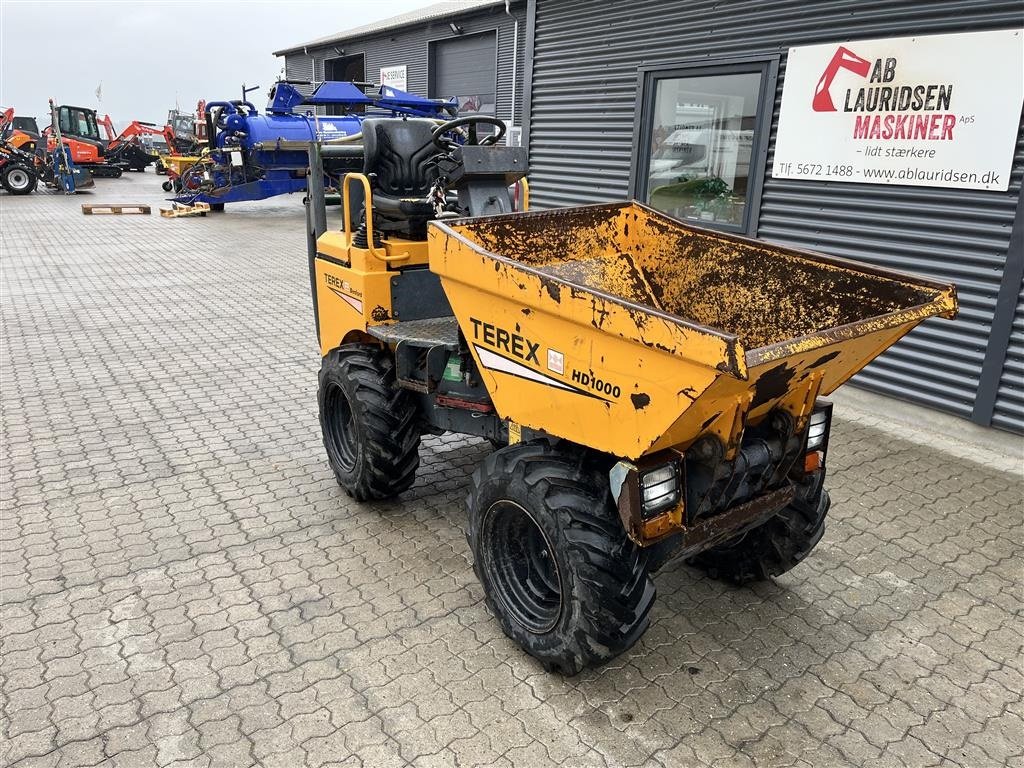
point(654, 388)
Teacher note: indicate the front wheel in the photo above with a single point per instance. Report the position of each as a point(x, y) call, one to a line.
point(558, 571)
point(18, 179)
point(369, 424)
point(777, 545)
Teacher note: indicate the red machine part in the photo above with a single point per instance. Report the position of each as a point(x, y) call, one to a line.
point(134, 129)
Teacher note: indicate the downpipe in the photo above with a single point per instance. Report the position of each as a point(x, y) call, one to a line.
point(515, 67)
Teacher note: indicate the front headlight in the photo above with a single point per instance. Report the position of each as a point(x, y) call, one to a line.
point(818, 426)
point(659, 489)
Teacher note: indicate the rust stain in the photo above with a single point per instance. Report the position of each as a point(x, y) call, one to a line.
point(689, 393)
point(762, 294)
point(640, 400)
point(554, 289)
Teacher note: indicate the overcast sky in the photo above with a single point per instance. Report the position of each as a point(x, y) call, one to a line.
point(150, 53)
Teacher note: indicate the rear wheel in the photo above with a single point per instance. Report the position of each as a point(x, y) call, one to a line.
point(217, 207)
point(558, 571)
point(775, 546)
point(369, 424)
point(18, 179)
point(167, 186)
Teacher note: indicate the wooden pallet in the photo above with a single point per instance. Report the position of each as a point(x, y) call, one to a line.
point(115, 208)
point(178, 210)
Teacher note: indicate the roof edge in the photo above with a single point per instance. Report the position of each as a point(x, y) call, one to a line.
point(342, 36)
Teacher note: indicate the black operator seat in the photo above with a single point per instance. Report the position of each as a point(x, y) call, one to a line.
point(398, 155)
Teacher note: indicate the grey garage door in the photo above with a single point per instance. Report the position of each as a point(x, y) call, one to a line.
point(464, 67)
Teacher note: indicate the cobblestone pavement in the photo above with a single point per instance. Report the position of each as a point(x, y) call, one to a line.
point(183, 583)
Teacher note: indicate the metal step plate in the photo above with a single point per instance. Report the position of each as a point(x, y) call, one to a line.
point(432, 332)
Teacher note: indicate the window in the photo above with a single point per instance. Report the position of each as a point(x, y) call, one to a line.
point(26, 125)
point(76, 121)
point(701, 141)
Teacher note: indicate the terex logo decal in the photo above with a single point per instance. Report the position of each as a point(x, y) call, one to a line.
point(510, 352)
point(511, 343)
point(887, 107)
point(844, 58)
point(344, 291)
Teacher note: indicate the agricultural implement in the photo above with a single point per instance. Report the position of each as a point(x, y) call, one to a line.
point(174, 166)
point(252, 156)
point(656, 388)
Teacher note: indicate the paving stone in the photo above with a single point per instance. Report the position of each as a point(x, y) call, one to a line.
point(183, 582)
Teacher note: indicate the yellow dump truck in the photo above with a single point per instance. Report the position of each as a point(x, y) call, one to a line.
point(652, 389)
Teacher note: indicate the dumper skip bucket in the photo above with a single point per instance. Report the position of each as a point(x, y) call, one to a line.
point(625, 330)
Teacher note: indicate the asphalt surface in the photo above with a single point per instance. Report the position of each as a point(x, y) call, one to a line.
point(183, 583)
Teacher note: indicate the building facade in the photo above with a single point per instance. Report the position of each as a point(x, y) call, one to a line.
point(473, 50)
point(679, 104)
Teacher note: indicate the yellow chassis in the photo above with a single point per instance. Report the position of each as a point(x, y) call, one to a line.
point(593, 365)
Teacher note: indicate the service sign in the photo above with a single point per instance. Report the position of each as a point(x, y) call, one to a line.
point(394, 76)
point(934, 111)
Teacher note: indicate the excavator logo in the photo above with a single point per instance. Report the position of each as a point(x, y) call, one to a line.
point(843, 58)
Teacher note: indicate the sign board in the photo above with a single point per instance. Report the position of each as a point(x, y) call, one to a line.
point(933, 111)
point(394, 76)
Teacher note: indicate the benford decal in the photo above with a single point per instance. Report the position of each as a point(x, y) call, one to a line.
point(344, 291)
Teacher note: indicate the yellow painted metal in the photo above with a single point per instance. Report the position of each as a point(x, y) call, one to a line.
point(178, 164)
point(621, 329)
point(524, 195)
point(388, 257)
point(354, 285)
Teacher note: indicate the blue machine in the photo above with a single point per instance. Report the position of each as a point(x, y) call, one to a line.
point(253, 156)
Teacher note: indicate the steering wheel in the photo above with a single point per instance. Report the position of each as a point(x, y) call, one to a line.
point(447, 145)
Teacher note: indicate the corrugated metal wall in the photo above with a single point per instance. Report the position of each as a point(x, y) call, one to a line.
point(1010, 398)
point(298, 68)
point(585, 60)
point(409, 46)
